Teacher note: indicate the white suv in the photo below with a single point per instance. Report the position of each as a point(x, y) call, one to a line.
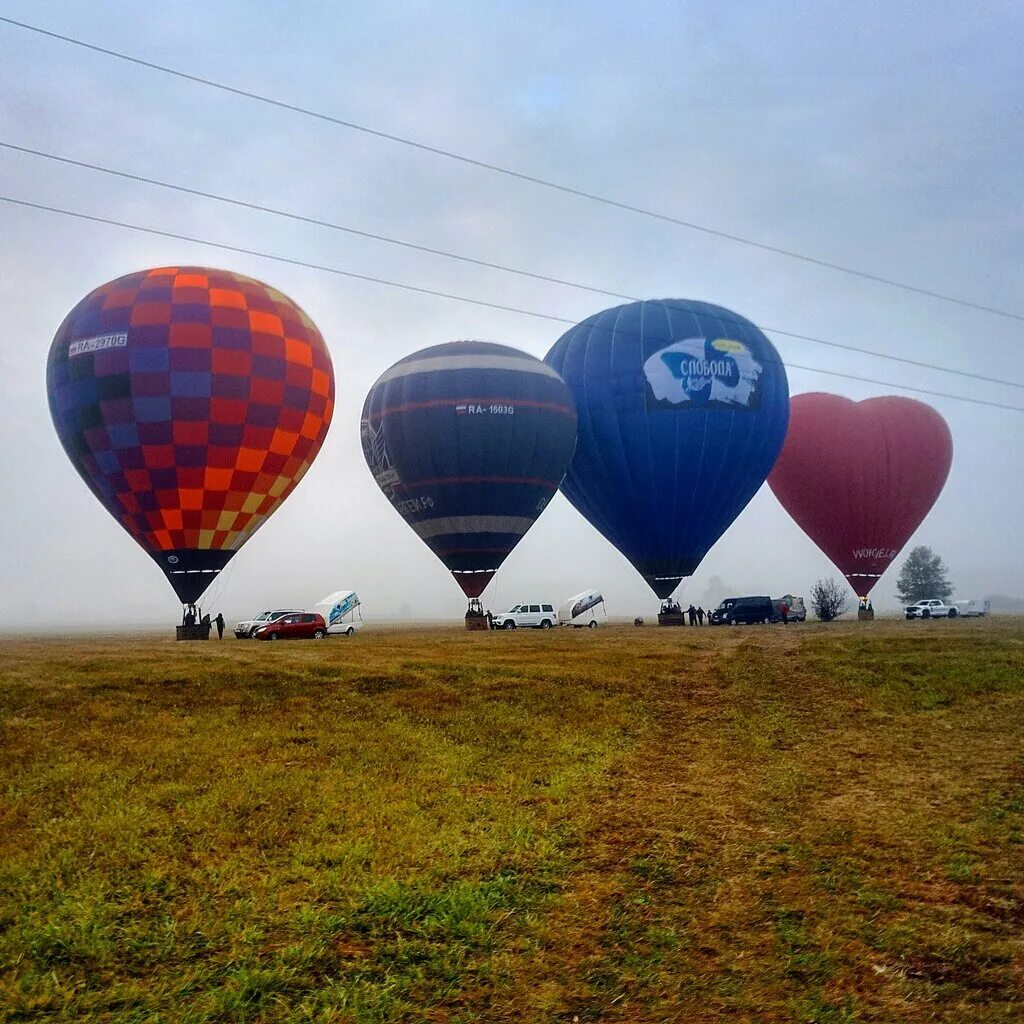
point(932, 609)
point(245, 629)
point(537, 616)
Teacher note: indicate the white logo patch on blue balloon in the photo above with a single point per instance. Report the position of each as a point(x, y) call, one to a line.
point(703, 373)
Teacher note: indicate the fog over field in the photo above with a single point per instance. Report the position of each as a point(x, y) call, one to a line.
point(880, 137)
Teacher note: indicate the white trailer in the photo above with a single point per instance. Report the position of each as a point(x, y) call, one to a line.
point(341, 611)
point(973, 609)
point(586, 609)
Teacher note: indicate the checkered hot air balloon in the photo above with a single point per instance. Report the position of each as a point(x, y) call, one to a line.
point(191, 401)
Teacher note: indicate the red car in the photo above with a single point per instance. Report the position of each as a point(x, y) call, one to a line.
point(297, 626)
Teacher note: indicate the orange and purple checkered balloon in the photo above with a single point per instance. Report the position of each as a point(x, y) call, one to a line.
point(191, 401)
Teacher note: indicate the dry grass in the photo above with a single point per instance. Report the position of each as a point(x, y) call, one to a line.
point(814, 824)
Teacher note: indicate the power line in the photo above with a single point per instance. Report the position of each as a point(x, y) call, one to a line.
point(511, 173)
point(93, 218)
point(316, 221)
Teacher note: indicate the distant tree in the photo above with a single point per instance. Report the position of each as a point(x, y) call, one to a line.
point(923, 575)
point(828, 599)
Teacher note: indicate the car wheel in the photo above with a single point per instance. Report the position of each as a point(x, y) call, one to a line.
point(319, 634)
point(545, 624)
point(510, 624)
point(952, 613)
point(732, 622)
point(926, 614)
point(273, 636)
point(350, 630)
point(592, 624)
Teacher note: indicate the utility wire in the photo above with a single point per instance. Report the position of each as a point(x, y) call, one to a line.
point(93, 218)
point(518, 175)
point(244, 204)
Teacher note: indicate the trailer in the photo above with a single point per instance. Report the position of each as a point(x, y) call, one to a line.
point(341, 611)
point(586, 609)
point(973, 609)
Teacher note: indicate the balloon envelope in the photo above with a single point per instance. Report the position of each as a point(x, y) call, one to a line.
point(469, 441)
point(191, 401)
point(859, 477)
point(682, 410)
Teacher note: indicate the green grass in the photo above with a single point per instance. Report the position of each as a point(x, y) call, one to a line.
point(805, 824)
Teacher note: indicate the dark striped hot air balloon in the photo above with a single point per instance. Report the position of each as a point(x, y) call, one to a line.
point(191, 401)
point(469, 441)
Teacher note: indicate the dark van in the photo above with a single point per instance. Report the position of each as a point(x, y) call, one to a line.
point(736, 610)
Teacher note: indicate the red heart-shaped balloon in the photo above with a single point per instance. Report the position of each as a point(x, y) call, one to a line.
point(859, 477)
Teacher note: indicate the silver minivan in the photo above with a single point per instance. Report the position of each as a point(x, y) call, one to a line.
point(526, 615)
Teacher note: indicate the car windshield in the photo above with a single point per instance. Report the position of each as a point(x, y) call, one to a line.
point(262, 617)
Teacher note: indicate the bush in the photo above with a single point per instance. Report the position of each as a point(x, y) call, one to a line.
point(828, 599)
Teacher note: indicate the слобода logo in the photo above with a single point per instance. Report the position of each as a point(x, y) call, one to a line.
point(703, 373)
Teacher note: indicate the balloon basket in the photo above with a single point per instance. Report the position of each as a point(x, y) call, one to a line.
point(475, 622)
point(866, 614)
point(197, 632)
point(671, 618)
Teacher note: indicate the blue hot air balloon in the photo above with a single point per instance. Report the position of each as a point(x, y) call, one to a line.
point(682, 408)
point(469, 441)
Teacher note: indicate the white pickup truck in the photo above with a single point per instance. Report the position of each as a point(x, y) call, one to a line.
point(933, 608)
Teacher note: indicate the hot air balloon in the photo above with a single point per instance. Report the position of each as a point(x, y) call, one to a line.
point(859, 477)
point(682, 410)
point(469, 441)
point(191, 401)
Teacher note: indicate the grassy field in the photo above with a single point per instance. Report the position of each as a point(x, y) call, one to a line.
point(807, 824)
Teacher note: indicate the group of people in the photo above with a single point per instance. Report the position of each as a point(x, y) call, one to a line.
point(694, 615)
point(194, 616)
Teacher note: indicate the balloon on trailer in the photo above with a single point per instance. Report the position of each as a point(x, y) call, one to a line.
point(859, 477)
point(191, 401)
point(469, 441)
point(682, 410)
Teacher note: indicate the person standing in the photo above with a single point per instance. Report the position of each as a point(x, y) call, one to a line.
point(219, 623)
point(691, 613)
point(700, 615)
point(784, 610)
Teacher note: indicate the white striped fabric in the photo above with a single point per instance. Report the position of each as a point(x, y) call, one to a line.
point(472, 524)
point(470, 361)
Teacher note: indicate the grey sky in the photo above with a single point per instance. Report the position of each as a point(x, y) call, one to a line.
point(882, 136)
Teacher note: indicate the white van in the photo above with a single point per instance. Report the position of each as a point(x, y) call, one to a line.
point(341, 611)
point(586, 609)
point(526, 615)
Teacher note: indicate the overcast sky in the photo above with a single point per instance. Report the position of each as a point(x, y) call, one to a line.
point(882, 136)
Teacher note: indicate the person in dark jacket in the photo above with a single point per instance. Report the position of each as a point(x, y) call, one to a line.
point(700, 615)
point(219, 623)
point(691, 614)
